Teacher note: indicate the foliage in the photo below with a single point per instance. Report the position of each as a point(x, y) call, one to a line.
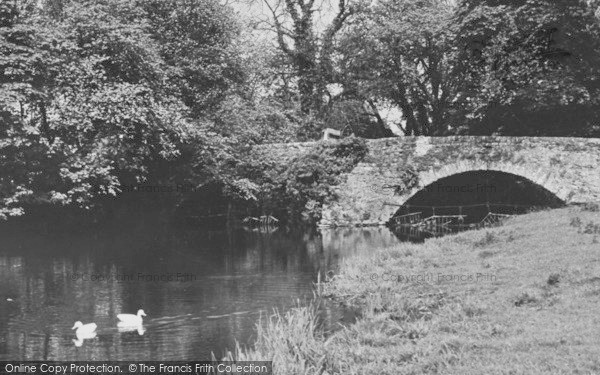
point(307, 182)
point(307, 66)
point(356, 116)
point(196, 41)
point(532, 67)
point(527, 67)
point(311, 179)
point(87, 104)
point(251, 123)
point(307, 49)
point(99, 94)
point(401, 51)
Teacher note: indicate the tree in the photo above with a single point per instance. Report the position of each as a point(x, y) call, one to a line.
point(533, 67)
point(308, 49)
point(23, 117)
point(89, 104)
point(401, 51)
point(195, 38)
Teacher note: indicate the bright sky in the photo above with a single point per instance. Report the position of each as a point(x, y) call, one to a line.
point(257, 10)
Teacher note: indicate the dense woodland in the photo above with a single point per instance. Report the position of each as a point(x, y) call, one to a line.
point(100, 94)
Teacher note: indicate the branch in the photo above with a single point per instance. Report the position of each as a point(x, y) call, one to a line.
point(406, 132)
point(338, 21)
point(376, 113)
point(423, 87)
point(307, 7)
point(399, 97)
point(280, 31)
point(292, 10)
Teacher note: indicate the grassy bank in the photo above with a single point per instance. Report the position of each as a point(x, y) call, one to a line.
point(519, 299)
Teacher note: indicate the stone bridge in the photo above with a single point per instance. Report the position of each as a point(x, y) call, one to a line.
point(567, 167)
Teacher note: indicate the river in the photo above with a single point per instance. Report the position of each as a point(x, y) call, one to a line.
point(201, 290)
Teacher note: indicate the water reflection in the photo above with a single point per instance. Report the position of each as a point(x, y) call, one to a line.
point(200, 290)
point(125, 328)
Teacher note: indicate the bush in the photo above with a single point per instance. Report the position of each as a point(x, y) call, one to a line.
point(299, 189)
point(310, 179)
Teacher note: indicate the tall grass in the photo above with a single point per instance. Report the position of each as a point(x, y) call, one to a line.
point(293, 341)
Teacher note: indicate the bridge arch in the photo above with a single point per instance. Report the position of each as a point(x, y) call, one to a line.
point(468, 192)
point(548, 180)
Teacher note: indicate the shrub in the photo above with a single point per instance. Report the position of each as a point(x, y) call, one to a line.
point(310, 179)
point(300, 189)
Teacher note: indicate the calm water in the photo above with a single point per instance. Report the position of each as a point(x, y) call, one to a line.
point(226, 281)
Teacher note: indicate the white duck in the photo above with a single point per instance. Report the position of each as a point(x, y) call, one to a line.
point(85, 330)
point(130, 319)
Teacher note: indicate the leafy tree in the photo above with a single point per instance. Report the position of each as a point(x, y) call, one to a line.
point(532, 65)
point(22, 112)
point(308, 47)
point(401, 51)
point(88, 103)
point(196, 40)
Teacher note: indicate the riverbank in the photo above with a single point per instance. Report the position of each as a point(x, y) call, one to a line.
point(521, 299)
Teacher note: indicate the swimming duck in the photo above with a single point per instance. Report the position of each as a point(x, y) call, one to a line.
point(84, 330)
point(130, 319)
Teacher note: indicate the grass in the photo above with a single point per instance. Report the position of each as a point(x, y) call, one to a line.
point(291, 340)
point(519, 299)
